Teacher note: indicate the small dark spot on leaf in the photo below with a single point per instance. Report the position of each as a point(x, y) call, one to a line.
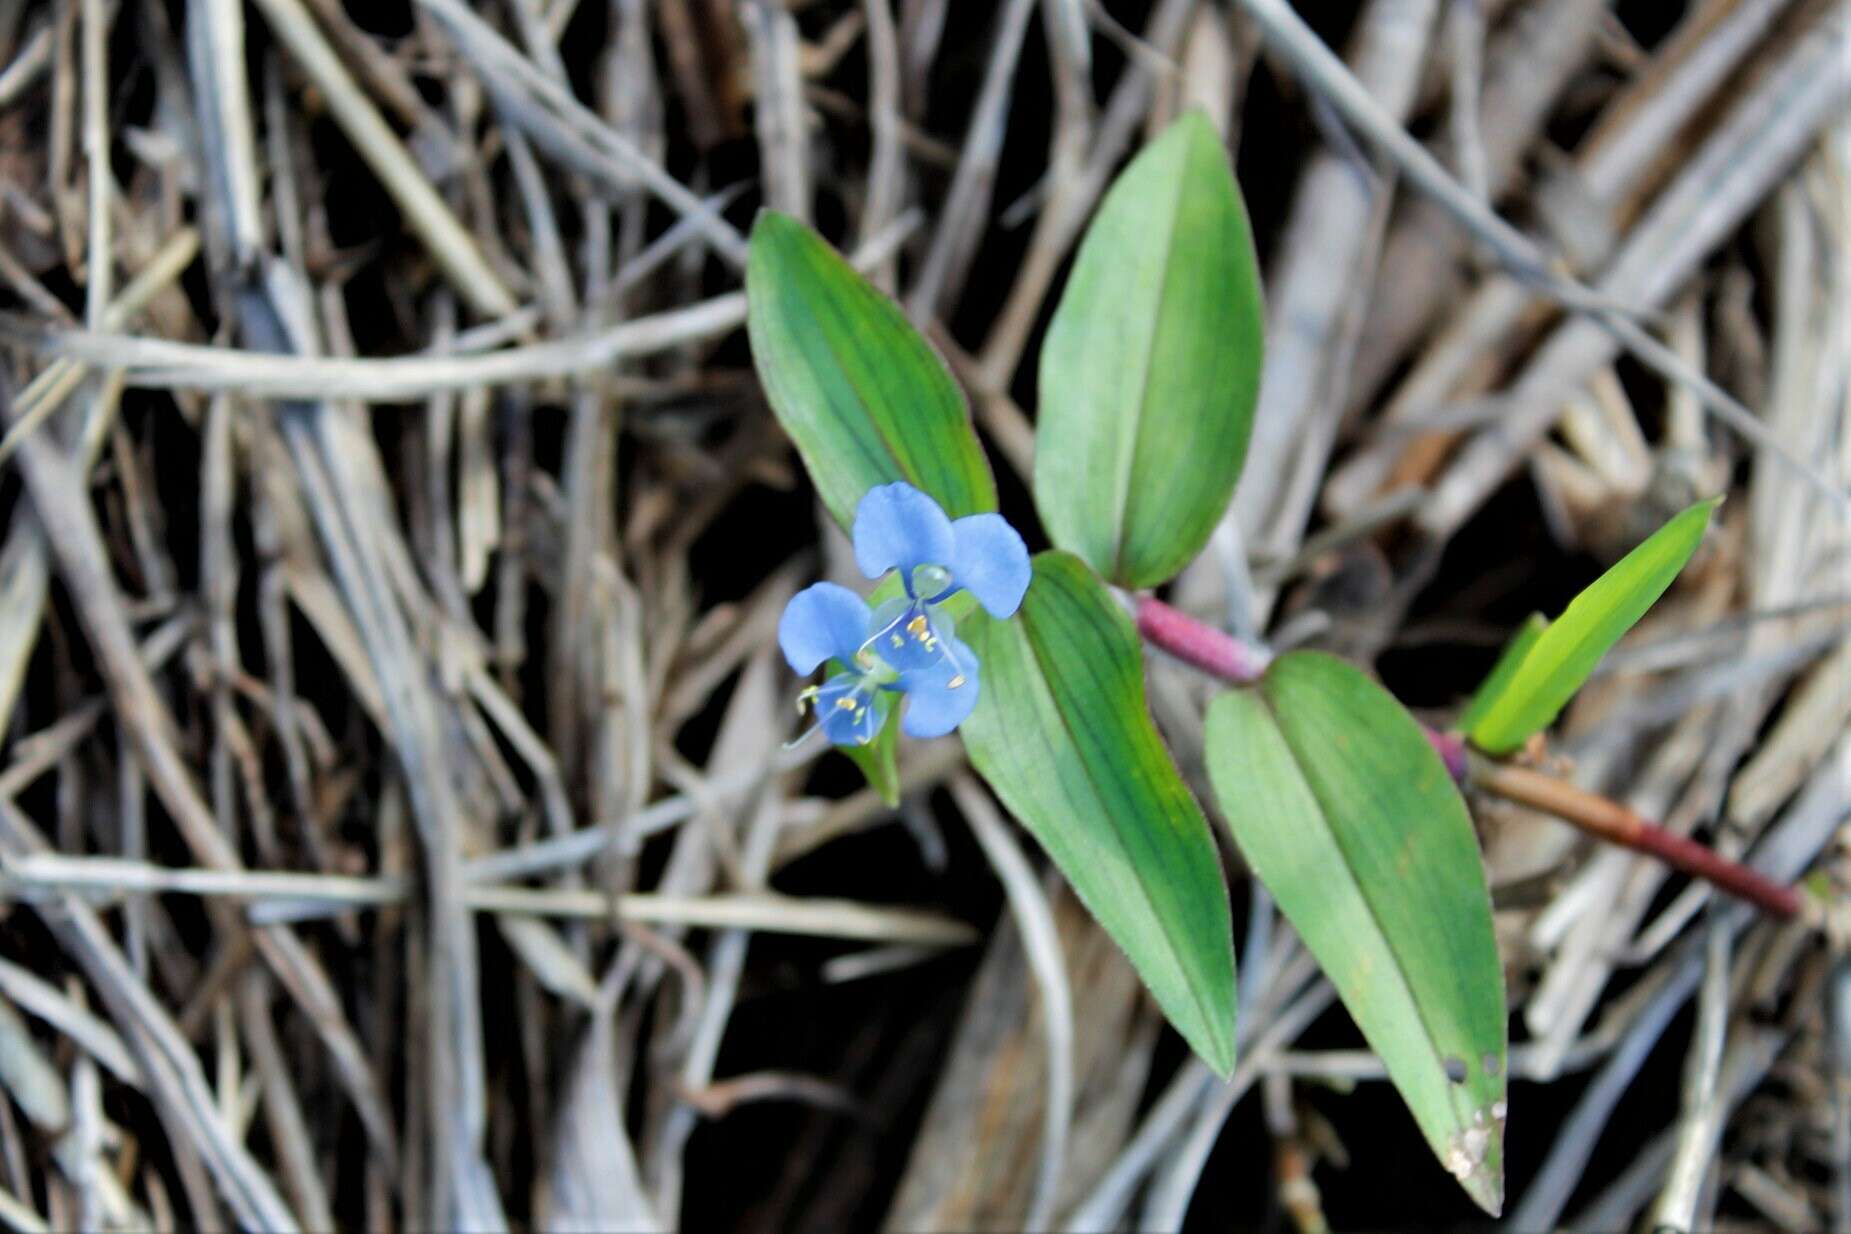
point(1455, 1069)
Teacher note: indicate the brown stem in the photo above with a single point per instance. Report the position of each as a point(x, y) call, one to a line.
point(1613, 822)
point(1227, 658)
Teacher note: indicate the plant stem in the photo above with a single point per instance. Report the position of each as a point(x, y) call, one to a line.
point(1616, 824)
point(1229, 659)
point(1214, 652)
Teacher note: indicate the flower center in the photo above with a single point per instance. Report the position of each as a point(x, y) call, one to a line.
point(844, 707)
point(907, 635)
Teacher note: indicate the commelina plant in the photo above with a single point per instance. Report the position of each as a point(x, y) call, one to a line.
point(1344, 807)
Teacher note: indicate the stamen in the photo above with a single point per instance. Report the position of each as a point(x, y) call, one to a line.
point(957, 668)
point(921, 629)
point(846, 703)
point(803, 737)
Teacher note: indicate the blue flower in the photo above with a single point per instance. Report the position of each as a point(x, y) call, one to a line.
point(908, 644)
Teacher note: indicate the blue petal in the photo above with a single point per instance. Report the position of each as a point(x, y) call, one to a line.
point(823, 621)
point(910, 639)
point(934, 705)
point(847, 711)
point(989, 559)
point(899, 527)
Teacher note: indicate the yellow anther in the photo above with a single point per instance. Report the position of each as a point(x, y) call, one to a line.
point(955, 682)
point(846, 703)
point(917, 627)
point(898, 641)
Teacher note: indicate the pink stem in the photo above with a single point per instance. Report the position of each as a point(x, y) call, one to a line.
point(1204, 647)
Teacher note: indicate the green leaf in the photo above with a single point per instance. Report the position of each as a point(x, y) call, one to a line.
point(879, 759)
point(1062, 733)
point(1151, 366)
point(1567, 652)
point(862, 394)
point(1498, 679)
point(1350, 819)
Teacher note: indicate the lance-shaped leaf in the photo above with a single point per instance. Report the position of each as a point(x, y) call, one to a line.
point(862, 394)
point(1063, 735)
point(1498, 679)
point(1565, 654)
point(1152, 365)
point(1350, 819)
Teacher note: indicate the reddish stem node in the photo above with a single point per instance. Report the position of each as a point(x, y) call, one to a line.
point(1451, 749)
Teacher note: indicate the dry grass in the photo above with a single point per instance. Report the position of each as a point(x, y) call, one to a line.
point(395, 824)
